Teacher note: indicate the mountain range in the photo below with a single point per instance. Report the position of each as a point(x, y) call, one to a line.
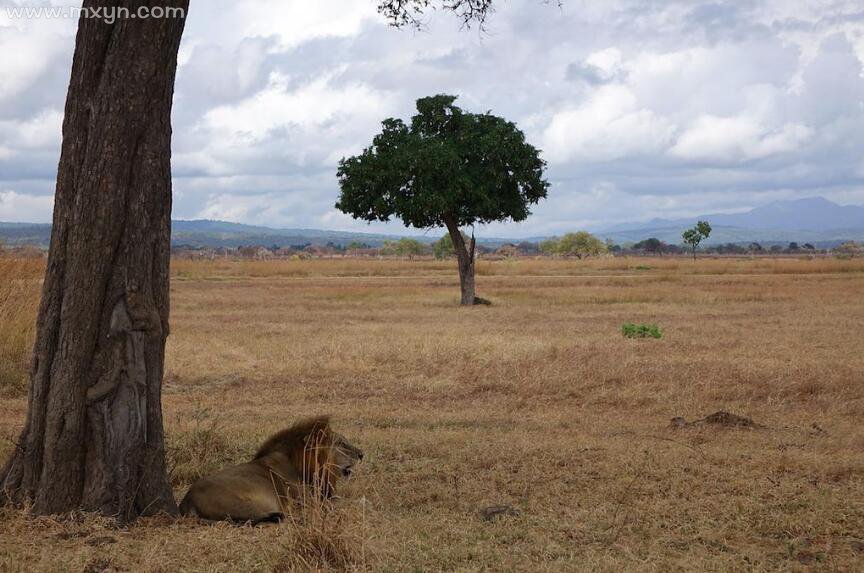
point(812, 220)
point(815, 220)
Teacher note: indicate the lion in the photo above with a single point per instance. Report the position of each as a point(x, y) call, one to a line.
point(306, 459)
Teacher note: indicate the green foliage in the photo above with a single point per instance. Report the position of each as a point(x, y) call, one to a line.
point(443, 247)
point(356, 245)
point(692, 237)
point(631, 330)
point(447, 166)
point(849, 250)
point(650, 245)
point(549, 246)
point(581, 244)
point(404, 247)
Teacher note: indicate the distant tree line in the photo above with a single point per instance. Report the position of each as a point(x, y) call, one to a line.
point(576, 246)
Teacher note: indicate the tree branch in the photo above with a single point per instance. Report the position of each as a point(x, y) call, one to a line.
point(403, 13)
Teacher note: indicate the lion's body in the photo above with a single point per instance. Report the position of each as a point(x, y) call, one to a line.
point(306, 458)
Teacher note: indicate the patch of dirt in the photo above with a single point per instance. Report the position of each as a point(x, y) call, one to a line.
point(719, 418)
point(102, 566)
point(494, 512)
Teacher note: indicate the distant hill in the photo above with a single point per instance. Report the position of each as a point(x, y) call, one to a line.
point(209, 233)
point(25, 233)
point(812, 214)
point(815, 220)
point(722, 234)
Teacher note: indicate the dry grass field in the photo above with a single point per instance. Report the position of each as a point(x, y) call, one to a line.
point(537, 402)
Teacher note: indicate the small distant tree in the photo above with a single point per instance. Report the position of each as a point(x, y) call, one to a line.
point(581, 244)
point(404, 247)
point(447, 168)
point(508, 250)
point(849, 250)
point(651, 245)
point(755, 247)
point(692, 237)
point(354, 245)
point(793, 247)
point(528, 248)
point(443, 247)
point(549, 246)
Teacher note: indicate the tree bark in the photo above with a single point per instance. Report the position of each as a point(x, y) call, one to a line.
point(93, 435)
point(465, 259)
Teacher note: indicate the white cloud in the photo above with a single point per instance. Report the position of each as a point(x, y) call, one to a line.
point(22, 208)
point(291, 21)
point(30, 48)
point(610, 125)
point(41, 131)
point(736, 139)
point(277, 106)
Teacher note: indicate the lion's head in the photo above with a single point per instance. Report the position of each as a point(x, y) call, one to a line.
point(320, 455)
point(345, 455)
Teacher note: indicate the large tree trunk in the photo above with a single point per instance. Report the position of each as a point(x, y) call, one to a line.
point(465, 258)
point(93, 435)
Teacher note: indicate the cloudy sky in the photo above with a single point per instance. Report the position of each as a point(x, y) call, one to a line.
point(642, 108)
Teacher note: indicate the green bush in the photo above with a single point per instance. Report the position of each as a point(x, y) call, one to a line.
point(630, 330)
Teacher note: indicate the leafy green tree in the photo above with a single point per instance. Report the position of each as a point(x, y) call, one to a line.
point(581, 244)
point(443, 247)
point(404, 247)
point(849, 250)
point(356, 245)
point(549, 246)
point(448, 167)
point(651, 245)
point(692, 237)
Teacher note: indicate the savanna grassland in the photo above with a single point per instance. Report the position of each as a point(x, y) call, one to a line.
point(537, 403)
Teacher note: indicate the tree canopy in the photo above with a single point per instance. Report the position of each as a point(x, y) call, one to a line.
point(447, 166)
point(579, 244)
point(404, 247)
point(650, 245)
point(692, 237)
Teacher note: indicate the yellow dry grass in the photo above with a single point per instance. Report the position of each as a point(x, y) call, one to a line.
point(537, 402)
point(19, 301)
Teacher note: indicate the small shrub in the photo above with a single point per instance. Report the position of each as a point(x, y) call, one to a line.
point(630, 330)
point(202, 449)
point(643, 268)
point(321, 538)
